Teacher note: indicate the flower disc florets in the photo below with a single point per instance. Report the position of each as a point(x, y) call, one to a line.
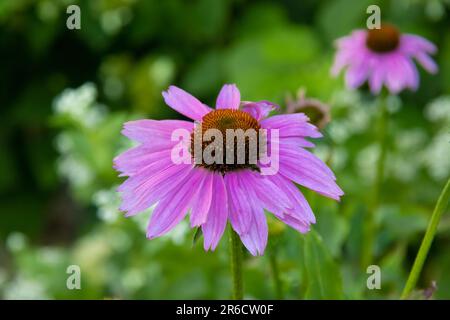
point(383, 40)
point(238, 135)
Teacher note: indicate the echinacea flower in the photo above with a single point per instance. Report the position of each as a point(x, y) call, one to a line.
point(317, 111)
point(216, 193)
point(383, 57)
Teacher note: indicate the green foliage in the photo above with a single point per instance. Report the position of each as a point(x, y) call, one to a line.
point(322, 274)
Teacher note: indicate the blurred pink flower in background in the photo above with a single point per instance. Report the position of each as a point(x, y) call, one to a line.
point(383, 57)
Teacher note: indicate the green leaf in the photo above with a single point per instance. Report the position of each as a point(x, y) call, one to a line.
point(322, 273)
point(197, 235)
point(332, 226)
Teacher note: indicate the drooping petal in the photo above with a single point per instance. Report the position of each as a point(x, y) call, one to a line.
point(259, 110)
point(202, 201)
point(185, 103)
point(138, 158)
point(311, 177)
point(146, 172)
point(173, 208)
point(265, 190)
point(302, 211)
point(351, 49)
point(340, 62)
point(306, 160)
point(356, 74)
point(240, 211)
point(147, 131)
point(255, 238)
point(295, 142)
point(218, 214)
point(411, 43)
point(426, 62)
point(411, 74)
point(291, 125)
point(377, 77)
point(229, 97)
point(395, 77)
point(299, 225)
point(139, 193)
point(283, 120)
point(400, 73)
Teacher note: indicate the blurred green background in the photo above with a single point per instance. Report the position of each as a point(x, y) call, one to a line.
point(64, 95)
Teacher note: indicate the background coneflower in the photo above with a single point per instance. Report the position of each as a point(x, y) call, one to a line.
point(383, 57)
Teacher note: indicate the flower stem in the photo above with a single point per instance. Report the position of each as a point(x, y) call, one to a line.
point(370, 223)
point(236, 265)
point(275, 274)
point(441, 204)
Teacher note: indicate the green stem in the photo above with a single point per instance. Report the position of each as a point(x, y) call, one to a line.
point(441, 204)
point(236, 265)
point(276, 274)
point(370, 222)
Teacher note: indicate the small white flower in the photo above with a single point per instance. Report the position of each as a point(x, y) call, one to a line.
point(439, 109)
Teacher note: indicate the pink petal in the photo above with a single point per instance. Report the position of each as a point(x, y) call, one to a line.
point(356, 75)
point(395, 77)
point(144, 164)
point(265, 189)
point(411, 74)
point(291, 125)
point(173, 208)
point(296, 142)
point(147, 131)
point(302, 211)
point(240, 211)
point(350, 51)
point(341, 60)
point(202, 202)
point(412, 43)
point(185, 103)
point(282, 120)
point(307, 160)
point(310, 177)
point(229, 97)
point(259, 110)
point(142, 192)
point(426, 62)
point(218, 214)
point(376, 78)
point(138, 158)
point(299, 225)
point(255, 239)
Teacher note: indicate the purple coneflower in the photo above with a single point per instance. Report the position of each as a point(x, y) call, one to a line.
point(218, 193)
point(383, 56)
point(317, 111)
